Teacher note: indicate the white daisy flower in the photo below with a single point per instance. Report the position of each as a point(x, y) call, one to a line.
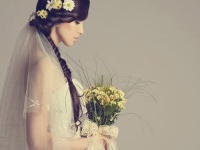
point(57, 4)
point(68, 5)
point(50, 4)
point(42, 14)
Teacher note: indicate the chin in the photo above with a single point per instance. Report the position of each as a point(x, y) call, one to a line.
point(68, 44)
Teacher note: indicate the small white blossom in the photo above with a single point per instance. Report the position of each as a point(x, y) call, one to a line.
point(50, 4)
point(57, 4)
point(68, 5)
point(42, 14)
point(32, 16)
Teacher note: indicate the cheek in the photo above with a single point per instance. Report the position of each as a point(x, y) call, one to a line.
point(62, 33)
point(66, 33)
point(65, 37)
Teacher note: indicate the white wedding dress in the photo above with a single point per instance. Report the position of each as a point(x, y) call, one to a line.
point(35, 82)
point(35, 85)
point(61, 118)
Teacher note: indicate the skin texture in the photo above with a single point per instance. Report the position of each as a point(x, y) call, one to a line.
point(67, 33)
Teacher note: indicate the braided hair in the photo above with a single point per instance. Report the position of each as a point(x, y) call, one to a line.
point(55, 17)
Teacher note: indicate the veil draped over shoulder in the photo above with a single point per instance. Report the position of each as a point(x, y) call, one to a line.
point(35, 82)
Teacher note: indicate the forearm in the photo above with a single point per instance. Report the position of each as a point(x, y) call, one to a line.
point(43, 144)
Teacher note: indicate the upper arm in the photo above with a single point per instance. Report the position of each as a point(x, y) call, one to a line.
point(38, 97)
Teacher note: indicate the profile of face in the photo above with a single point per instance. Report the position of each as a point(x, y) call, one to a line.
point(60, 20)
point(68, 33)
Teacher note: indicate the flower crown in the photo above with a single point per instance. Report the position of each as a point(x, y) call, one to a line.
point(54, 4)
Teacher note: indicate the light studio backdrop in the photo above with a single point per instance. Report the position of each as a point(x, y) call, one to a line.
point(157, 40)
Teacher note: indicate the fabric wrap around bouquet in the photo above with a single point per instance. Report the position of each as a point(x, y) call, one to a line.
point(104, 103)
point(90, 129)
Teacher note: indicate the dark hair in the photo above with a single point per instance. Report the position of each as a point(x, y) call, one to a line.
point(56, 16)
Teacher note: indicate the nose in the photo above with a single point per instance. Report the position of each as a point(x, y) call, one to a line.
point(81, 29)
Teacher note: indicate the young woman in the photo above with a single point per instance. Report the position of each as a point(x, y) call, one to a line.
point(42, 105)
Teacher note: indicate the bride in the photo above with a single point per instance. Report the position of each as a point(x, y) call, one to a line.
point(42, 105)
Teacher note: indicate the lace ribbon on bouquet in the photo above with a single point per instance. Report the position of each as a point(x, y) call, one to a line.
point(90, 129)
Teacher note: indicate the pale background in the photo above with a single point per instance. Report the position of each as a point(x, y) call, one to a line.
point(158, 40)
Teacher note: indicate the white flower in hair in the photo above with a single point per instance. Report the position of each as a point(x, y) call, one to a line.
point(57, 4)
point(42, 14)
point(68, 5)
point(50, 4)
point(32, 16)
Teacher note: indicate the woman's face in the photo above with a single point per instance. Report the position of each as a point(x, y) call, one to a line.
point(68, 33)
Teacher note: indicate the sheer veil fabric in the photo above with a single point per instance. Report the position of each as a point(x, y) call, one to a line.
point(34, 82)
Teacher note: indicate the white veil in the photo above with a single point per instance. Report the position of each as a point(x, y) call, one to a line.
point(28, 86)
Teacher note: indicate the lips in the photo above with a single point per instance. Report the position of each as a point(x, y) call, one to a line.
point(75, 38)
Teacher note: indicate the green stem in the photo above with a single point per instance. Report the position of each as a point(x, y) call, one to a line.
point(95, 111)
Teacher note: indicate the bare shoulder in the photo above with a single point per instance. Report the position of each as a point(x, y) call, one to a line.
point(43, 65)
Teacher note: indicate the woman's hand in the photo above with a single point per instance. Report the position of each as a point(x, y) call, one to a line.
point(103, 139)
